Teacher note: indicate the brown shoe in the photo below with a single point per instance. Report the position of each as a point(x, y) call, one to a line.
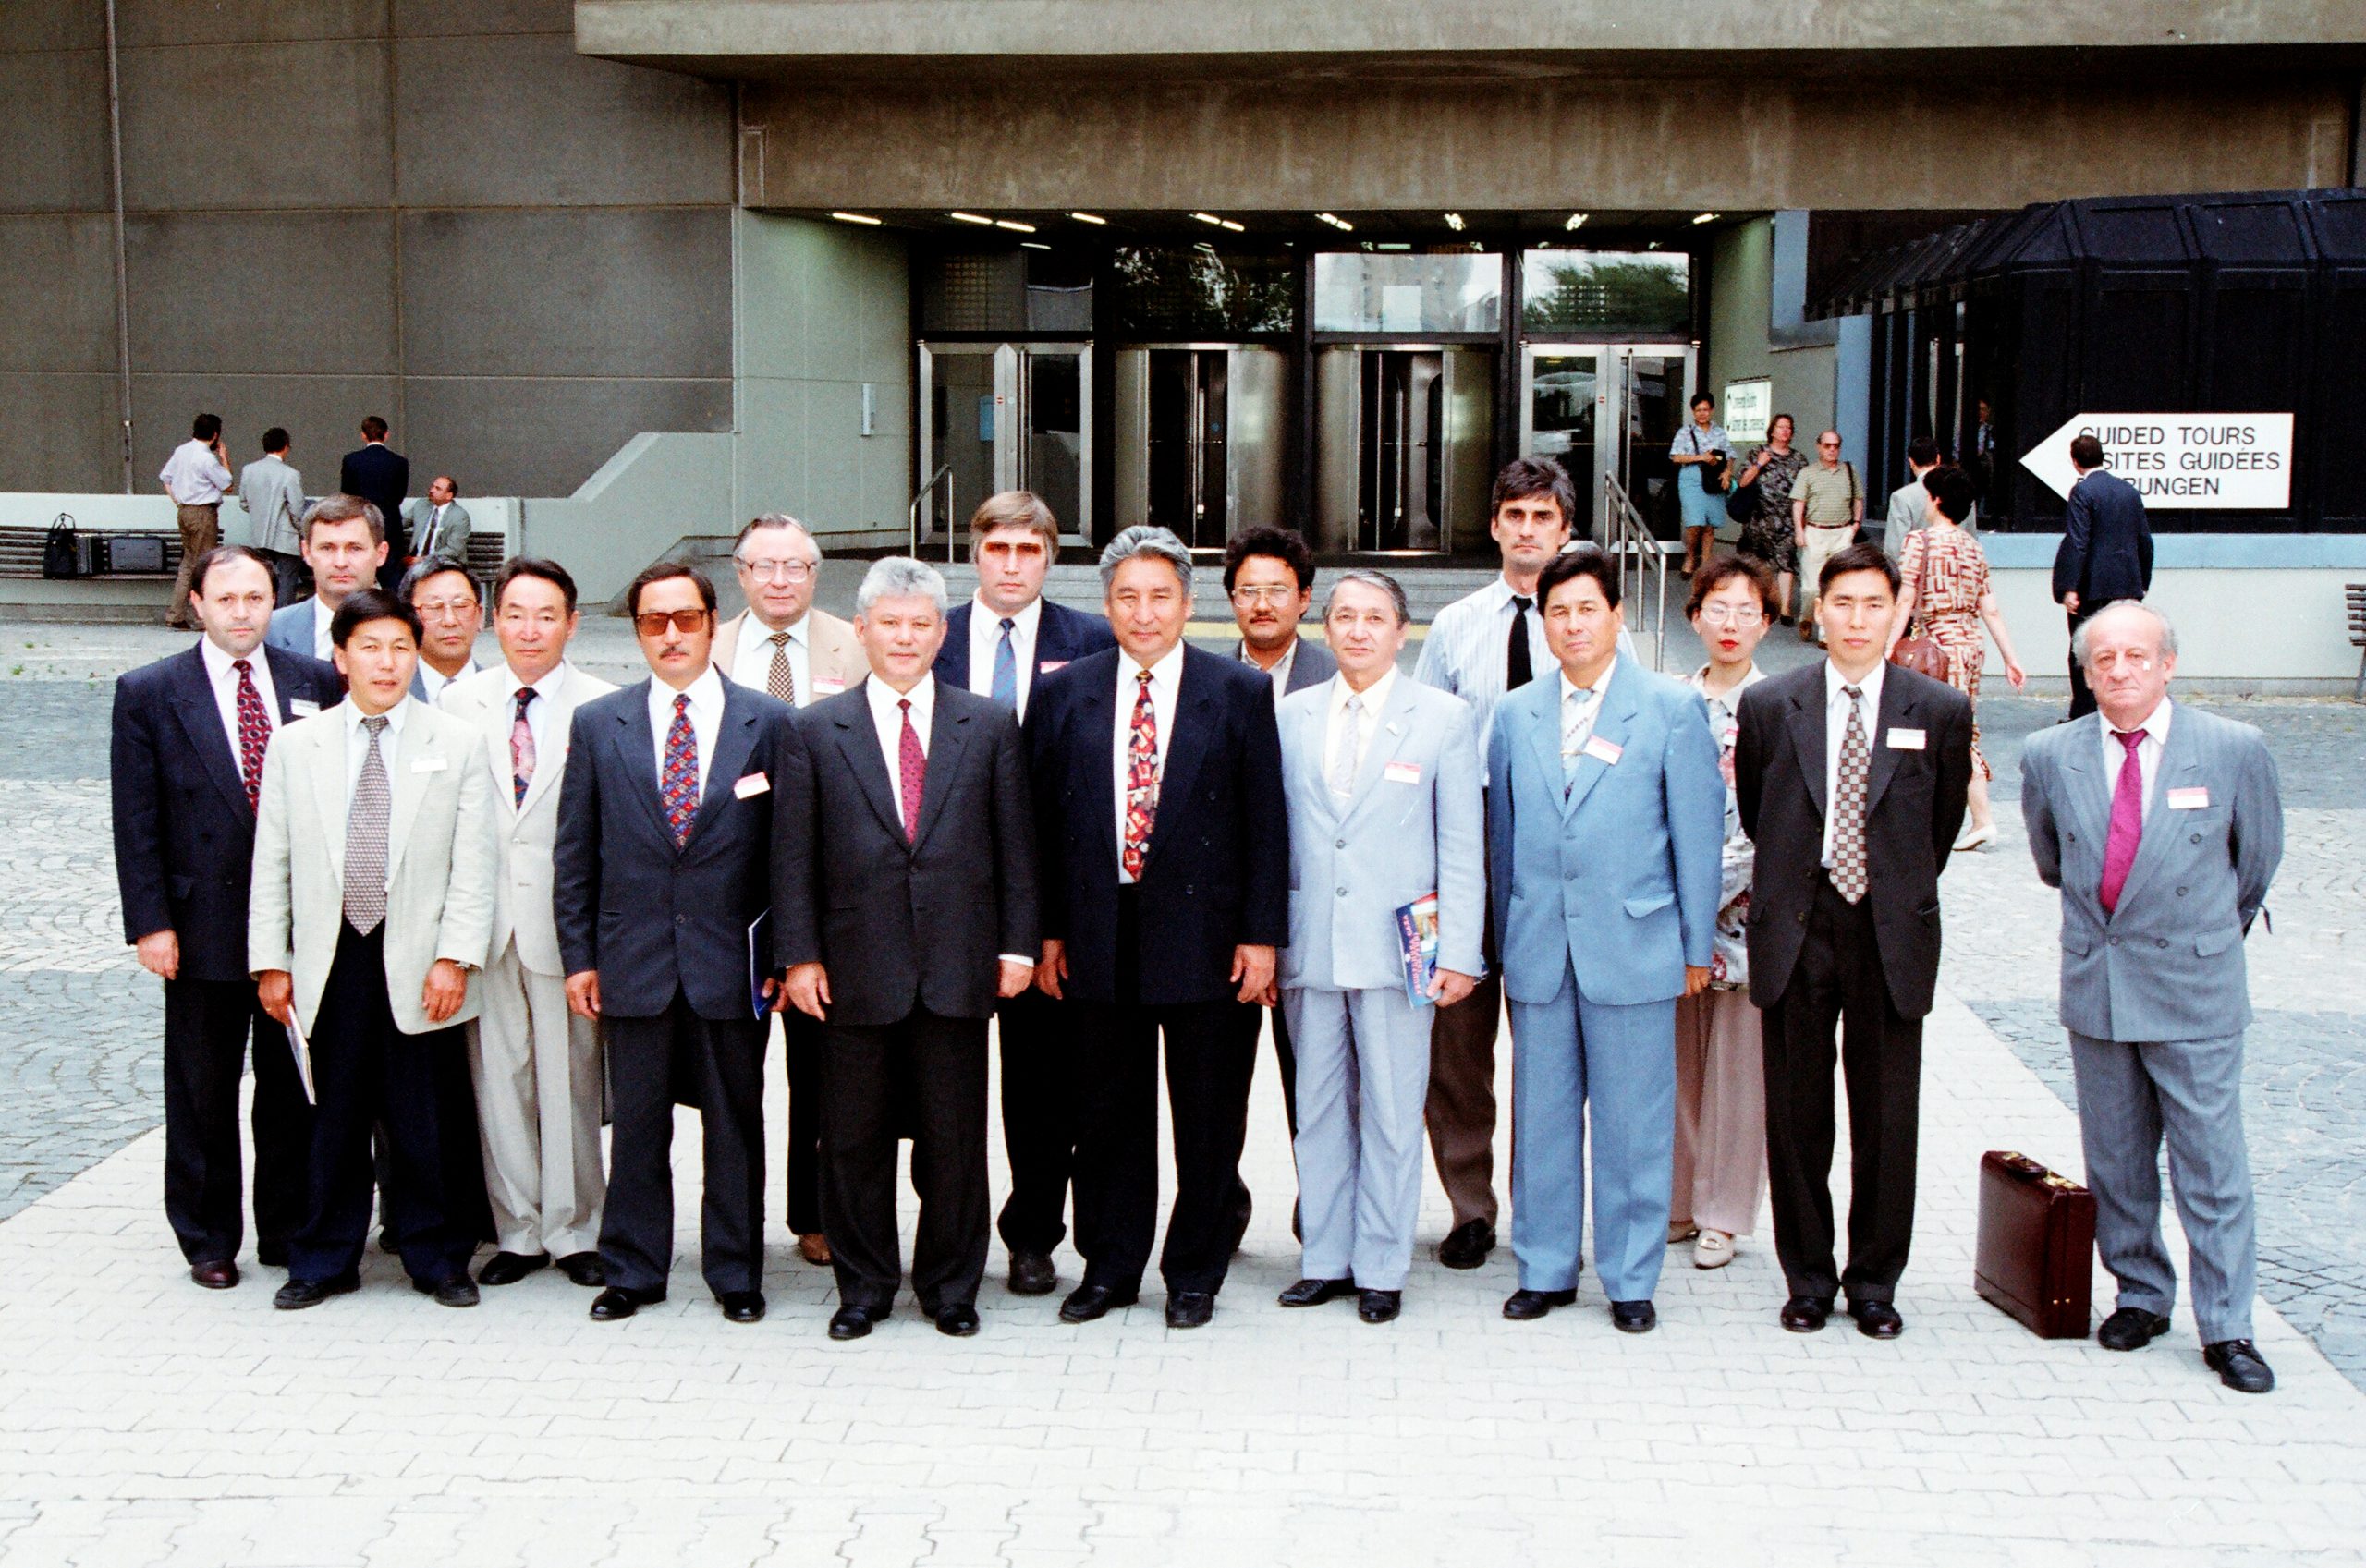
point(814, 1247)
point(220, 1274)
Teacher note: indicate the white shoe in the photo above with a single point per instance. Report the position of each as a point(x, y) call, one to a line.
point(1681, 1229)
point(1977, 837)
point(1714, 1250)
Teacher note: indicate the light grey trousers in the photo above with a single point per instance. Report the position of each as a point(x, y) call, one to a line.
point(538, 1078)
point(1363, 1075)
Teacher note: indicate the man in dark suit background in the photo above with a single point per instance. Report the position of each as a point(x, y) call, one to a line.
point(664, 861)
point(381, 476)
point(1164, 854)
point(999, 645)
point(911, 816)
point(1851, 775)
point(186, 769)
point(2105, 554)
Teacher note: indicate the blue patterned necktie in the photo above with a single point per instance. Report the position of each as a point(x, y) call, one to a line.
point(677, 784)
point(1006, 690)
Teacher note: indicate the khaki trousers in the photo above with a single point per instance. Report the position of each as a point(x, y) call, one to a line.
point(1822, 544)
point(537, 1068)
point(1720, 1112)
point(200, 531)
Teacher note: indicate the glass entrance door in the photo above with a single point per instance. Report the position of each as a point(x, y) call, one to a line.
point(1005, 416)
point(1199, 431)
point(1606, 409)
point(1402, 447)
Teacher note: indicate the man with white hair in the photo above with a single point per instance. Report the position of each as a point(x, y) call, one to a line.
point(2162, 827)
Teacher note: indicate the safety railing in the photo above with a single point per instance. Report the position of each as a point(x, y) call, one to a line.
point(1642, 563)
point(943, 476)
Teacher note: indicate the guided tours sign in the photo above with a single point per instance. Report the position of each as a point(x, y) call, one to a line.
point(2190, 462)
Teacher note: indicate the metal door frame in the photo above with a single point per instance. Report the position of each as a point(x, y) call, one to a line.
point(1613, 393)
point(1013, 383)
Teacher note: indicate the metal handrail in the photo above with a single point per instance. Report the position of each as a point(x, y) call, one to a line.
point(912, 512)
point(1631, 540)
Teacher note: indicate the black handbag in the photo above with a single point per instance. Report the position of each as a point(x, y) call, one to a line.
point(1742, 502)
point(61, 550)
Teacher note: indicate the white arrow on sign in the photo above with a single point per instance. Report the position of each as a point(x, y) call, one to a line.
point(2188, 462)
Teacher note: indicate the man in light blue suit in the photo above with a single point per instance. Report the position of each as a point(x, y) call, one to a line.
point(1605, 832)
point(2162, 828)
point(1381, 780)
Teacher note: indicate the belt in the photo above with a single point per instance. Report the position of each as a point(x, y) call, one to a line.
point(1829, 526)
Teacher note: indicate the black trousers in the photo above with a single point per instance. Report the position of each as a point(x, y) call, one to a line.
point(368, 1074)
point(717, 1065)
point(1039, 1113)
point(932, 1072)
point(801, 1061)
point(2082, 699)
point(207, 1027)
point(1839, 983)
point(1286, 1058)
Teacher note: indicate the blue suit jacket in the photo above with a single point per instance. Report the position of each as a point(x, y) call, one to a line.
point(1062, 637)
point(2106, 551)
point(1619, 875)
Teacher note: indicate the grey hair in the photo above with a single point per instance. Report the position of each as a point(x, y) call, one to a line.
point(1380, 580)
point(899, 576)
point(1146, 539)
point(2079, 639)
point(776, 520)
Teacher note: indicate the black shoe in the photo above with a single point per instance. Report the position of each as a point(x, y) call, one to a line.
point(584, 1268)
point(1314, 1293)
point(386, 1243)
point(1379, 1306)
point(1634, 1317)
point(1088, 1302)
point(1032, 1274)
point(272, 1254)
point(616, 1302)
point(1526, 1306)
point(219, 1274)
point(1190, 1308)
point(1467, 1245)
point(296, 1295)
point(852, 1323)
point(457, 1291)
point(1806, 1314)
point(2239, 1365)
point(1877, 1320)
point(2131, 1328)
point(742, 1305)
point(509, 1268)
point(960, 1320)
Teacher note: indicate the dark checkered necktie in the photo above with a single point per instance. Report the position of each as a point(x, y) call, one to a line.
point(1848, 804)
point(254, 731)
point(365, 836)
point(780, 680)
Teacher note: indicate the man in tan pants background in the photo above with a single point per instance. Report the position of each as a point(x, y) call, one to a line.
point(196, 476)
point(1827, 507)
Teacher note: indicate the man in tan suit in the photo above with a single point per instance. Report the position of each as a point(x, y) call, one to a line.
point(536, 1066)
point(783, 647)
point(371, 914)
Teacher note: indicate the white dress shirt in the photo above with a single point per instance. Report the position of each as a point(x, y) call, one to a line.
point(193, 475)
point(1581, 706)
point(538, 712)
point(1836, 729)
point(888, 718)
point(986, 639)
point(432, 681)
point(324, 645)
point(2148, 755)
point(706, 718)
point(1465, 653)
point(224, 680)
point(1373, 699)
point(1281, 670)
point(752, 660)
point(1165, 684)
point(357, 750)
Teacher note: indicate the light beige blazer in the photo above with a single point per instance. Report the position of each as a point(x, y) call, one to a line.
point(831, 653)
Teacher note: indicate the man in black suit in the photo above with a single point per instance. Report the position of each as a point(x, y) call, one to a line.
point(2105, 554)
point(911, 816)
point(186, 769)
point(1852, 774)
point(665, 862)
point(998, 646)
point(381, 476)
point(1165, 875)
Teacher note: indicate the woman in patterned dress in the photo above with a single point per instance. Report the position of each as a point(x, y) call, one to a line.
point(1766, 538)
point(1945, 595)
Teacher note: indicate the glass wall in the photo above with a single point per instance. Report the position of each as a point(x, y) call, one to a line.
point(1596, 291)
point(1177, 292)
point(1386, 292)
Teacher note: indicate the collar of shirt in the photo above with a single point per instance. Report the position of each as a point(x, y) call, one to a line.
point(1833, 683)
point(985, 618)
point(1166, 675)
point(1375, 696)
point(1591, 695)
point(224, 682)
point(706, 702)
point(547, 688)
point(1727, 703)
point(754, 634)
point(395, 717)
point(887, 712)
point(1281, 670)
point(2155, 727)
point(435, 680)
point(218, 661)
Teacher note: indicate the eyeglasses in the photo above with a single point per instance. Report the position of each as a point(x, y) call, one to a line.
point(1271, 594)
point(444, 609)
point(1833, 444)
point(655, 622)
point(775, 571)
point(1718, 615)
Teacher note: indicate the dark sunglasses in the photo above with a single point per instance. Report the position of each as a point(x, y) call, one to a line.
point(654, 623)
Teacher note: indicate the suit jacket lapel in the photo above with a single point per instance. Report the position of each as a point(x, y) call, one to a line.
point(735, 743)
point(949, 737)
point(1543, 725)
point(2180, 766)
point(1098, 718)
point(550, 754)
point(2089, 806)
point(329, 742)
point(201, 721)
point(1897, 704)
point(405, 784)
point(636, 746)
point(1610, 722)
point(1389, 738)
point(858, 744)
point(1194, 715)
point(1807, 740)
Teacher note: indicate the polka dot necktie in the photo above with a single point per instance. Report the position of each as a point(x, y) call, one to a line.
point(365, 836)
point(254, 732)
point(677, 783)
point(1141, 779)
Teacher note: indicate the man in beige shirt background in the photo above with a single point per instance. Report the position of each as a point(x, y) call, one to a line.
point(1828, 507)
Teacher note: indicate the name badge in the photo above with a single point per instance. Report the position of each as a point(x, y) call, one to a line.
point(1602, 750)
point(754, 783)
point(301, 706)
point(2193, 800)
point(1048, 665)
point(1906, 740)
point(429, 764)
point(827, 685)
point(1402, 773)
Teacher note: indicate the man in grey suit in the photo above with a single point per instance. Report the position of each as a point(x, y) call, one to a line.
point(344, 541)
point(439, 524)
point(273, 494)
point(1382, 780)
point(2162, 827)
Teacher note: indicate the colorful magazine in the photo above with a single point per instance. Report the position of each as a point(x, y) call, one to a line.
point(1416, 947)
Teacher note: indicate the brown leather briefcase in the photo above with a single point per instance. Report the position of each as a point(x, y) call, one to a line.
point(2036, 1254)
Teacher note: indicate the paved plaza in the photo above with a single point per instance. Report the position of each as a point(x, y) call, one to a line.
point(144, 1420)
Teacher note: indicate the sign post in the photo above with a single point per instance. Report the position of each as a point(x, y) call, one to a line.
point(2181, 462)
point(1748, 404)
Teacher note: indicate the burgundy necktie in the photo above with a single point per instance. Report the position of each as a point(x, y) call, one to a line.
point(913, 762)
point(2126, 821)
point(254, 732)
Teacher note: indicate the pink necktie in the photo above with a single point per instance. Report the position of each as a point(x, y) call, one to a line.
point(2126, 821)
point(913, 763)
point(521, 749)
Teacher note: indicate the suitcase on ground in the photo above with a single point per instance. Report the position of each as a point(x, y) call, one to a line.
point(2036, 1252)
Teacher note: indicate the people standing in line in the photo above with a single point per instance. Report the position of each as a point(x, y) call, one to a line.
point(780, 645)
point(438, 525)
point(910, 911)
point(998, 645)
point(667, 876)
point(1385, 810)
point(380, 475)
point(1701, 450)
point(1605, 830)
point(1909, 503)
point(1945, 595)
point(1767, 536)
point(451, 611)
point(185, 771)
point(1164, 863)
point(273, 494)
point(2105, 554)
point(539, 1075)
point(370, 915)
point(2162, 826)
point(1827, 509)
point(196, 476)
point(1720, 1157)
point(344, 541)
point(1850, 774)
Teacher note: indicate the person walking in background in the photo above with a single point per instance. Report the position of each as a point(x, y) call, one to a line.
point(1909, 503)
point(1766, 534)
point(1827, 509)
point(1945, 595)
point(1720, 1070)
point(2162, 826)
point(2105, 554)
point(438, 524)
point(380, 475)
point(1701, 453)
point(274, 493)
point(196, 476)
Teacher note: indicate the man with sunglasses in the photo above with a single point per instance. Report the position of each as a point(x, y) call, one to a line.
point(1827, 509)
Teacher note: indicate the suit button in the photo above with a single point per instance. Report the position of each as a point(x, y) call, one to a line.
point(2160, 941)
point(1802, 916)
point(2115, 942)
point(1338, 844)
point(2195, 839)
point(2180, 892)
point(1343, 893)
point(681, 920)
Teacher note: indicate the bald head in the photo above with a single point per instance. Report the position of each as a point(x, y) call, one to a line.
point(2129, 652)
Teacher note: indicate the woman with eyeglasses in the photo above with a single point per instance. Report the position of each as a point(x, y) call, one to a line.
point(1766, 534)
point(1720, 1074)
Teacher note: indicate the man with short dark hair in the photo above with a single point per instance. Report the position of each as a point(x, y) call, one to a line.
point(344, 543)
point(451, 614)
point(1909, 503)
point(380, 475)
point(196, 476)
point(273, 494)
point(439, 524)
point(2105, 554)
point(1269, 577)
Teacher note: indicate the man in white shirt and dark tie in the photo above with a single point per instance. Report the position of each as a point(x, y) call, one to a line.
point(196, 476)
point(439, 524)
